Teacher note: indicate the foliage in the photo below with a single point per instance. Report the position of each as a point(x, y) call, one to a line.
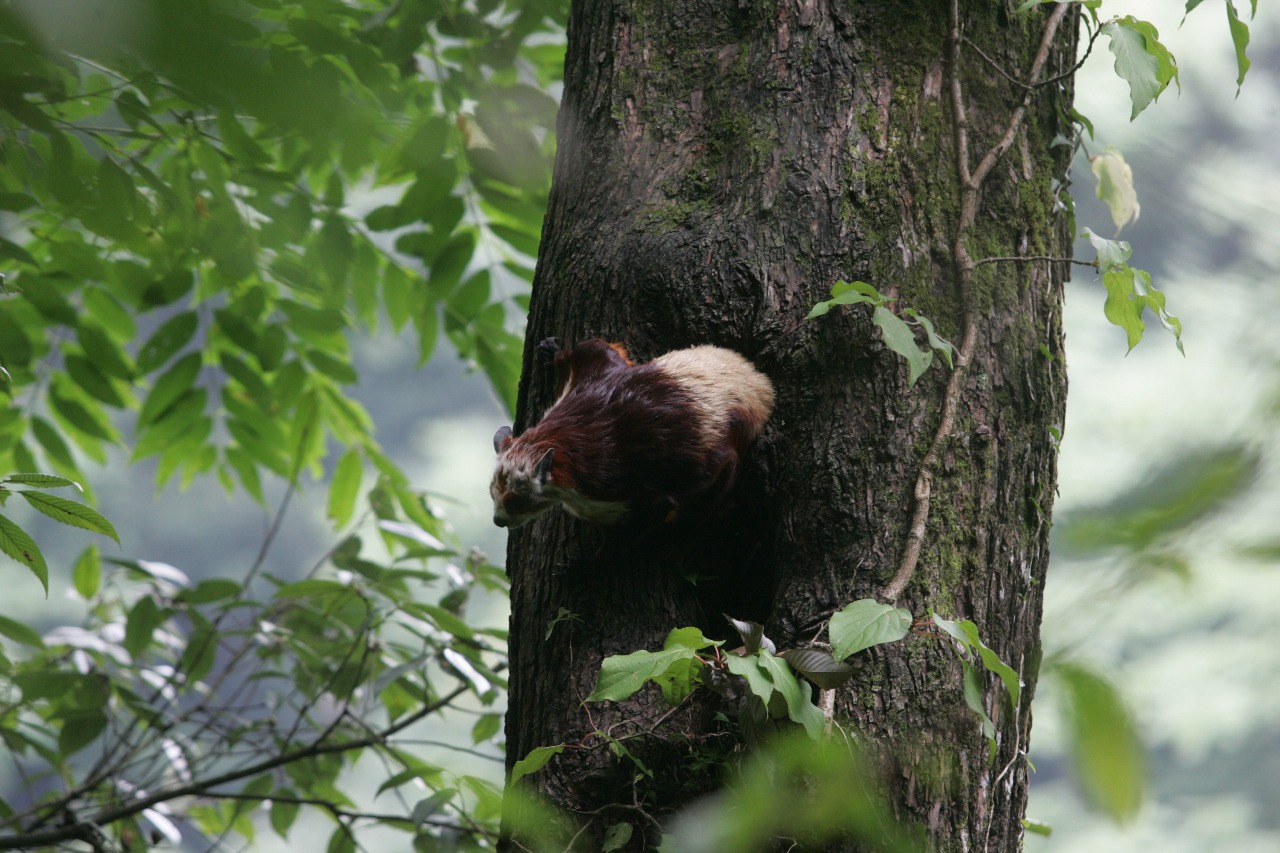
point(1104, 741)
point(898, 333)
point(248, 700)
point(208, 201)
point(202, 204)
point(764, 681)
point(795, 788)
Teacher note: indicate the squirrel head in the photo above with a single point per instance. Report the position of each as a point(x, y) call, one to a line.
point(522, 480)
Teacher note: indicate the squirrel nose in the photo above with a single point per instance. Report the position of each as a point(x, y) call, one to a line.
point(500, 521)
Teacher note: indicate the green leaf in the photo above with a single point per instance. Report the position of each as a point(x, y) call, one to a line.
point(86, 574)
point(534, 761)
point(427, 772)
point(306, 437)
point(847, 293)
point(344, 488)
point(1239, 38)
point(105, 353)
point(71, 512)
point(752, 634)
point(54, 447)
point(622, 675)
point(1115, 186)
point(10, 249)
point(144, 617)
point(1112, 254)
point(338, 369)
point(688, 638)
point(1141, 60)
point(283, 814)
point(46, 481)
point(750, 668)
point(1130, 292)
point(486, 726)
point(1183, 493)
point(1153, 299)
point(1037, 827)
point(967, 633)
point(448, 266)
point(898, 337)
point(342, 840)
point(1104, 744)
point(973, 698)
point(936, 341)
point(1122, 308)
point(819, 667)
point(183, 423)
point(79, 729)
point(616, 837)
point(201, 652)
point(800, 707)
point(86, 419)
point(428, 807)
point(20, 633)
point(15, 542)
point(679, 680)
point(213, 589)
point(89, 379)
point(173, 335)
point(312, 588)
point(866, 623)
point(171, 385)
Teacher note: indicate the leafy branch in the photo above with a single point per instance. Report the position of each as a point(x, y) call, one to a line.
point(18, 544)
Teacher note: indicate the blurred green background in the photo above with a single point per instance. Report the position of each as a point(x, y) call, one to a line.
point(1166, 537)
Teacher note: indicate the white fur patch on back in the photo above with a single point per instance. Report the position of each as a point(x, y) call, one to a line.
point(719, 381)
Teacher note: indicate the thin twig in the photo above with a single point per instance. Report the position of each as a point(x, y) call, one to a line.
point(1050, 258)
point(1047, 81)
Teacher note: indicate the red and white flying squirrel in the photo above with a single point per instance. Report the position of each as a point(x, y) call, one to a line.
point(657, 440)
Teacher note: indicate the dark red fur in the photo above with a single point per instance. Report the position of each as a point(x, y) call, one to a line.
point(627, 433)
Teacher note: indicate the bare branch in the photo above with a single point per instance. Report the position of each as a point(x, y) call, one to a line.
point(1050, 258)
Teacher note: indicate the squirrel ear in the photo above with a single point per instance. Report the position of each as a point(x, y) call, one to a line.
point(542, 472)
point(501, 438)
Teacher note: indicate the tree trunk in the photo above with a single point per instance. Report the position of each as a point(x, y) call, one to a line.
point(720, 167)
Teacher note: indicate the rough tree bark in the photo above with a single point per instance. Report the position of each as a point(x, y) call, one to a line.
point(720, 166)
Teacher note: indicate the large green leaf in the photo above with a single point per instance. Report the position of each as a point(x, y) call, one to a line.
point(622, 675)
point(967, 633)
point(1104, 743)
point(865, 623)
point(16, 542)
point(171, 385)
point(71, 512)
point(1141, 60)
point(344, 488)
point(899, 338)
point(534, 761)
point(798, 696)
point(1240, 39)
